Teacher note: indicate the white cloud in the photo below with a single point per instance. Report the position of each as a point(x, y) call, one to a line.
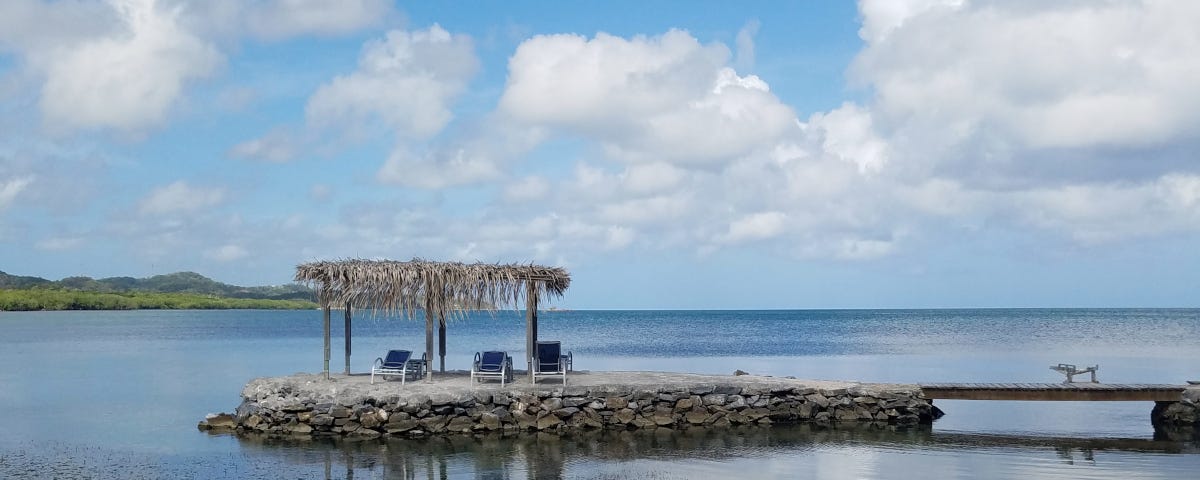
point(286, 18)
point(227, 253)
point(405, 81)
point(745, 45)
point(618, 237)
point(1097, 213)
point(277, 146)
point(431, 170)
point(55, 244)
point(695, 155)
point(128, 79)
point(999, 79)
point(645, 99)
point(756, 226)
point(650, 178)
point(33, 25)
point(10, 188)
point(527, 189)
point(466, 159)
point(847, 133)
point(180, 197)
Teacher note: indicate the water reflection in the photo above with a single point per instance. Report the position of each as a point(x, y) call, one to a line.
point(688, 453)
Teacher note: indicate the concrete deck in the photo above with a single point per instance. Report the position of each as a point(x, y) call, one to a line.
point(345, 389)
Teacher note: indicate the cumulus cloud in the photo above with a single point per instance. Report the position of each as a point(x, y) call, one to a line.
point(980, 114)
point(180, 197)
point(644, 98)
point(405, 81)
point(34, 25)
point(1098, 213)
point(128, 79)
point(993, 84)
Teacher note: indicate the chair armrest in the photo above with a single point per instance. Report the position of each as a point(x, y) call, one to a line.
point(378, 362)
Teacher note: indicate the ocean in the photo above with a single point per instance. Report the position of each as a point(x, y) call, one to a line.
point(118, 394)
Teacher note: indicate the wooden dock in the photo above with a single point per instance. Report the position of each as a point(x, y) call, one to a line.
point(1087, 392)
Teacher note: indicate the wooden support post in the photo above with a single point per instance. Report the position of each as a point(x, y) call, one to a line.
point(428, 330)
point(531, 301)
point(326, 317)
point(347, 339)
point(442, 340)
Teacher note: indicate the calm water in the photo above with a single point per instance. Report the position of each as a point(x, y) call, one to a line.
point(118, 394)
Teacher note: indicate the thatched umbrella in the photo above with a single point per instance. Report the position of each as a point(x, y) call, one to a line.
point(437, 288)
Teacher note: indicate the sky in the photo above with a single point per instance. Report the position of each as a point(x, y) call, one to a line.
point(690, 154)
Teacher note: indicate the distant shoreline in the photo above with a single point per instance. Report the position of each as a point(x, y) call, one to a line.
point(33, 300)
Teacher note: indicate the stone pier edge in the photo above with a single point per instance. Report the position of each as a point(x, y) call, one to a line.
point(279, 409)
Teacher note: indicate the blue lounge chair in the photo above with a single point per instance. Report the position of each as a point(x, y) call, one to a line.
point(492, 365)
point(398, 363)
point(550, 361)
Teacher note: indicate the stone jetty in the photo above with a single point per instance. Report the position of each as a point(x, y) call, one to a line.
point(311, 405)
point(1183, 415)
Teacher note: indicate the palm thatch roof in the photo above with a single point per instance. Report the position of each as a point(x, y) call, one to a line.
point(390, 286)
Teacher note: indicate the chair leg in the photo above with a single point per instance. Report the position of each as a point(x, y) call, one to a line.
point(372, 377)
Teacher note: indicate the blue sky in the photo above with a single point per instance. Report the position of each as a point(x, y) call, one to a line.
point(909, 153)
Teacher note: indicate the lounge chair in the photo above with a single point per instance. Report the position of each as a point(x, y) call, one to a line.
point(399, 363)
point(492, 365)
point(550, 361)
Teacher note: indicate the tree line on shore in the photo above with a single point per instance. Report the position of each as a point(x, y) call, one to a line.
point(182, 290)
point(48, 299)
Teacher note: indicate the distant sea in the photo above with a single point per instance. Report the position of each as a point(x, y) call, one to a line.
point(118, 394)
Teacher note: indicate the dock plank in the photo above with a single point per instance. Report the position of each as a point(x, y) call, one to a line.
point(1082, 391)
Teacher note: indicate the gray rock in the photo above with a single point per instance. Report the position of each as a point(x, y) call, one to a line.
point(401, 426)
point(818, 399)
point(460, 424)
point(643, 422)
point(552, 404)
point(433, 424)
point(696, 417)
point(549, 421)
point(321, 419)
point(574, 401)
point(728, 389)
point(218, 421)
point(490, 421)
point(624, 415)
point(714, 399)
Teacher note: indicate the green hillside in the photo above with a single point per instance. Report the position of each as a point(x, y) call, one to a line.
point(181, 290)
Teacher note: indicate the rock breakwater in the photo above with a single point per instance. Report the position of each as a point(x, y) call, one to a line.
point(311, 405)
